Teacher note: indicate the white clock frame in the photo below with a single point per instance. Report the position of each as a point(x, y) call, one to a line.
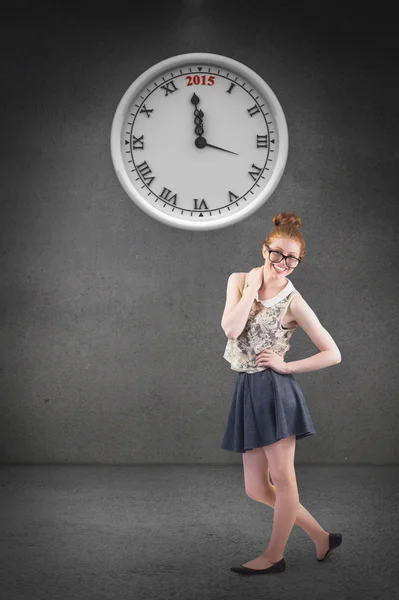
point(171, 64)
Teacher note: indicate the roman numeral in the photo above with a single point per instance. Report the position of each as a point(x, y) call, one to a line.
point(166, 195)
point(232, 197)
point(138, 143)
point(202, 205)
point(147, 111)
point(252, 111)
point(145, 170)
point(233, 85)
point(261, 141)
point(255, 174)
point(169, 87)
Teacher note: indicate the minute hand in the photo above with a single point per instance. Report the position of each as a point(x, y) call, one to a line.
point(201, 142)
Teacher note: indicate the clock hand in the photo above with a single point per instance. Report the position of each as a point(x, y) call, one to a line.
point(199, 115)
point(201, 142)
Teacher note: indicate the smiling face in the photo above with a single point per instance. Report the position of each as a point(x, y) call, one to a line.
point(285, 246)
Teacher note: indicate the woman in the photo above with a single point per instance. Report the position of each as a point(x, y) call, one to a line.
point(268, 411)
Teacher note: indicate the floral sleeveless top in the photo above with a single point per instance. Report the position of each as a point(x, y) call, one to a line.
point(263, 330)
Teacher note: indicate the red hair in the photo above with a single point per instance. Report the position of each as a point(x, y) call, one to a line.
point(287, 224)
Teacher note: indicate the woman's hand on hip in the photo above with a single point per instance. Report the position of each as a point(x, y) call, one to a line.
point(268, 358)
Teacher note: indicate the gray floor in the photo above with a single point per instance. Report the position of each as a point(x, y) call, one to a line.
point(173, 531)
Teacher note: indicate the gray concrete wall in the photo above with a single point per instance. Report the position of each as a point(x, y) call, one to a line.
point(111, 345)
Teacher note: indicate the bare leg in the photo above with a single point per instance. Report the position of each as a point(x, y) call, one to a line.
point(281, 459)
point(304, 519)
point(289, 510)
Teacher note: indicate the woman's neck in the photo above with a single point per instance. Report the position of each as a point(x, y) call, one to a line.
point(271, 284)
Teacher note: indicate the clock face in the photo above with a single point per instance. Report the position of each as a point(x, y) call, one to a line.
point(199, 141)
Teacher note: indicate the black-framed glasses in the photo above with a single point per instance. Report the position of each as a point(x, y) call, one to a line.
point(275, 257)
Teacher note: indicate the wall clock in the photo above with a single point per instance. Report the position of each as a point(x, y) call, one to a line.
point(199, 141)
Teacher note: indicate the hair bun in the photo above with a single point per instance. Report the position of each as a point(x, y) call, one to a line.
point(287, 218)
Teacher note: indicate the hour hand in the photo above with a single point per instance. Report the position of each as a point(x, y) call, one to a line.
point(201, 142)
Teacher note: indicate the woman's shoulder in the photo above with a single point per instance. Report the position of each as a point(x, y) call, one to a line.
point(240, 279)
point(297, 301)
point(294, 295)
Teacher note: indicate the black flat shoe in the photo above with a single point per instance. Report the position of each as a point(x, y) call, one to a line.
point(334, 540)
point(277, 567)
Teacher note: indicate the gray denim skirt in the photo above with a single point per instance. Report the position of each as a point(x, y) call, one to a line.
point(266, 407)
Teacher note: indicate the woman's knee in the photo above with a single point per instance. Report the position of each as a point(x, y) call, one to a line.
point(264, 493)
point(284, 475)
point(256, 474)
point(280, 456)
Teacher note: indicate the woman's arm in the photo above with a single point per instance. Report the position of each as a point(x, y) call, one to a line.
point(329, 352)
point(238, 305)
